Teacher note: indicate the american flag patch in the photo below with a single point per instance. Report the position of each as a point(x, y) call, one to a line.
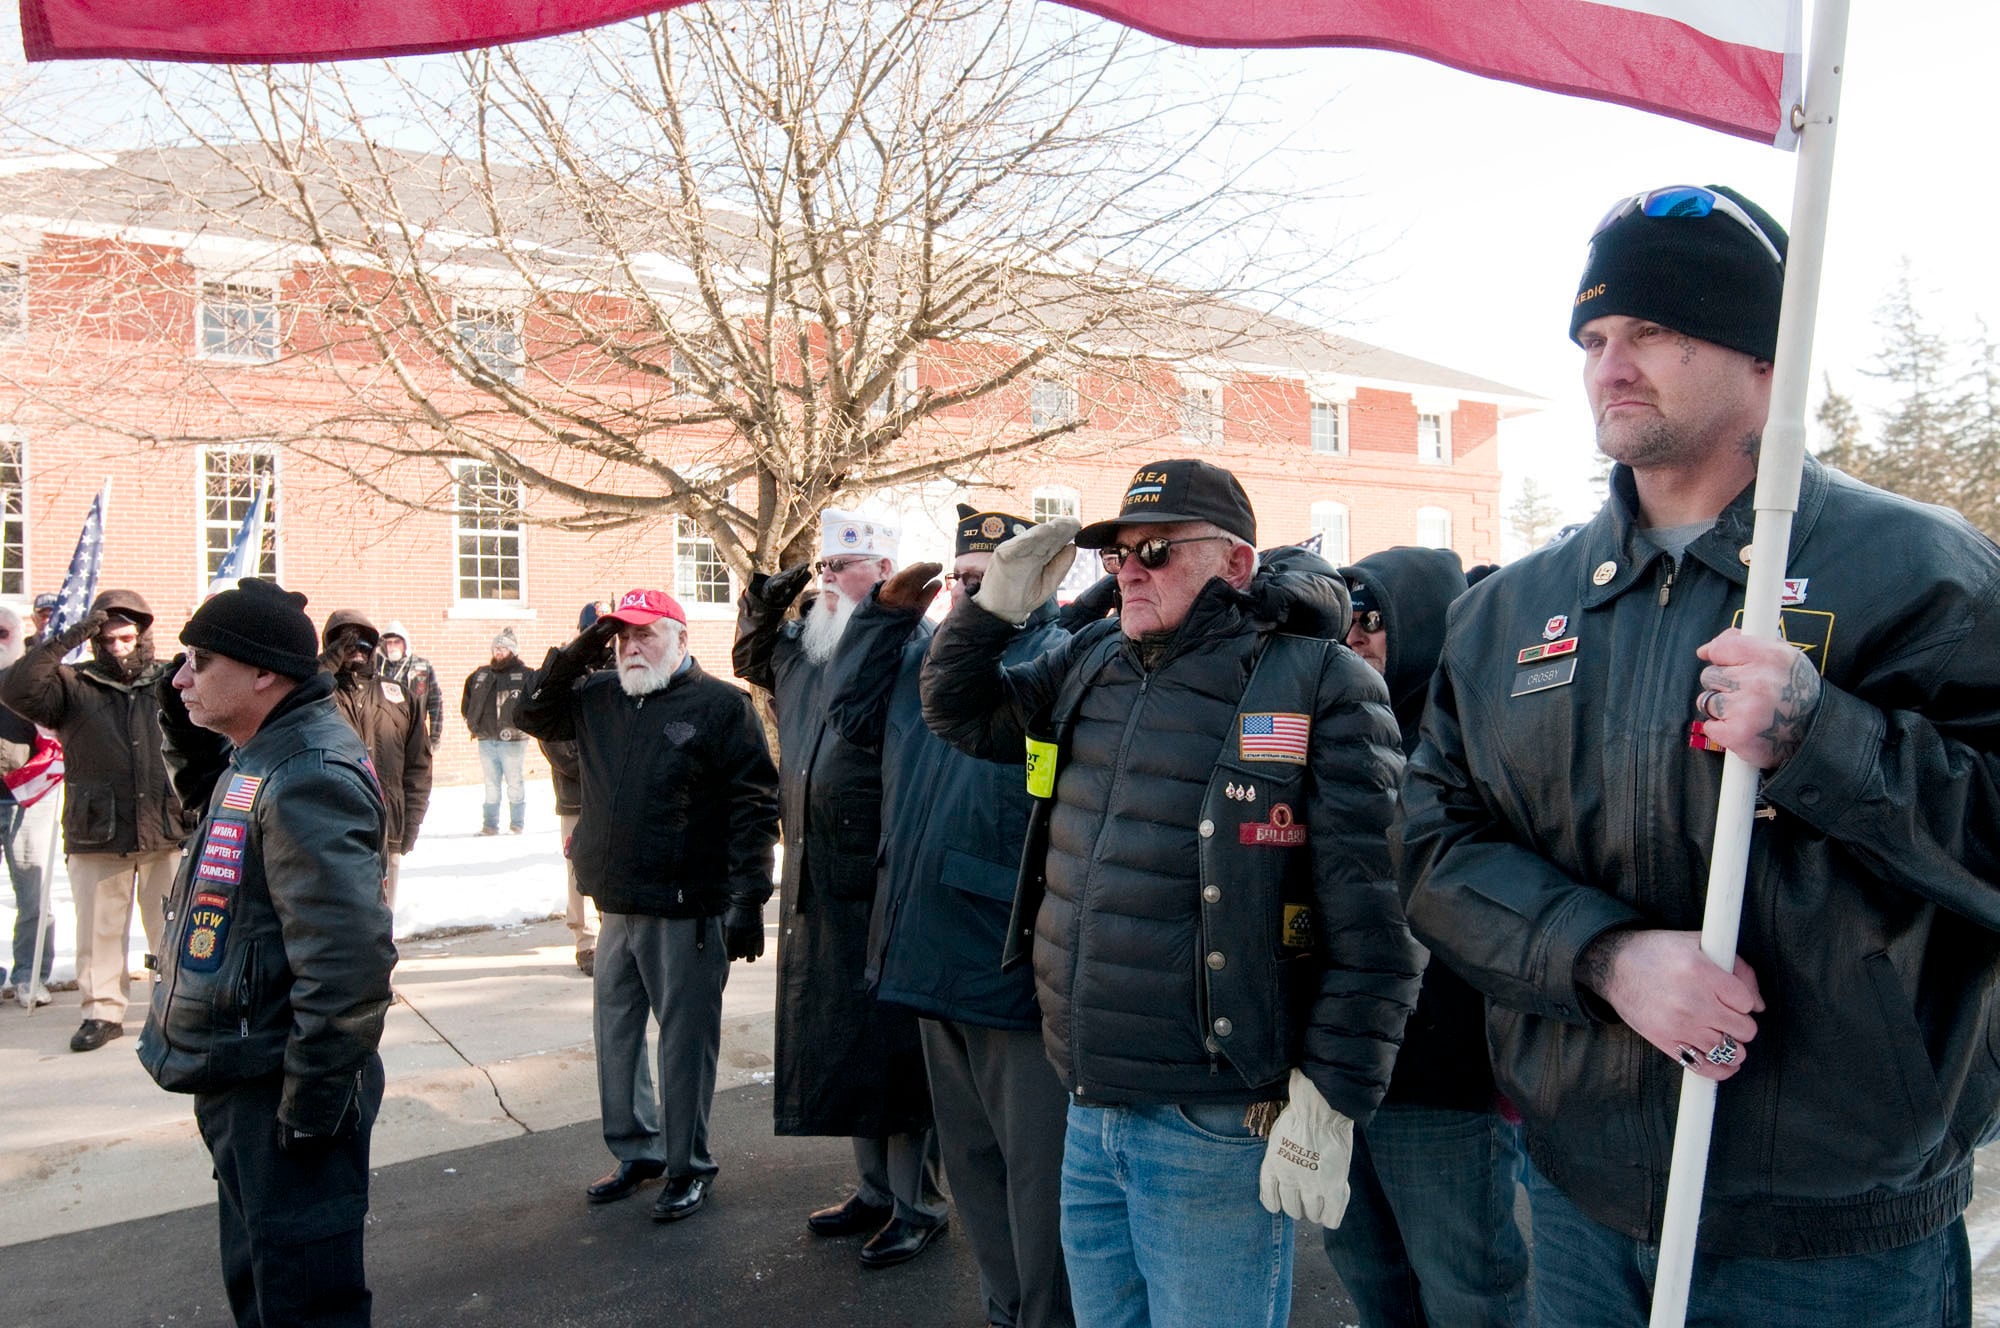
point(1279, 737)
point(242, 793)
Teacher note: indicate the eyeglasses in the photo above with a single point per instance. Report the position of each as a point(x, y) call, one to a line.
point(969, 582)
point(1687, 200)
point(1369, 621)
point(1152, 554)
point(837, 565)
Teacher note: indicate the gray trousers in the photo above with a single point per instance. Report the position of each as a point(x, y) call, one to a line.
point(672, 969)
point(900, 1170)
point(1001, 1113)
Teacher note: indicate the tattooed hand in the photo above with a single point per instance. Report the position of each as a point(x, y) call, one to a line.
point(1761, 697)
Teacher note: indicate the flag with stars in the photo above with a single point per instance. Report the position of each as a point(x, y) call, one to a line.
point(79, 587)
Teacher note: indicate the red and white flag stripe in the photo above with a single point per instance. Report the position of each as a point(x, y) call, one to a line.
point(1728, 64)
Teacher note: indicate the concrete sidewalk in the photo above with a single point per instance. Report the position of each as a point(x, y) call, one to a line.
point(489, 1039)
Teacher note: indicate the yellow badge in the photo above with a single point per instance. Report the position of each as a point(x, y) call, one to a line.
point(1041, 768)
point(1298, 927)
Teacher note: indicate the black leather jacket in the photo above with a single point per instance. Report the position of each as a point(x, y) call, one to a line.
point(1172, 959)
point(1536, 820)
point(278, 946)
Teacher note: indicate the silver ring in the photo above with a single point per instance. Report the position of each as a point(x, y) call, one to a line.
point(1705, 704)
point(1688, 1054)
point(1723, 1052)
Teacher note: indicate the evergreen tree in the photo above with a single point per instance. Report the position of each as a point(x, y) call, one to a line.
point(1533, 517)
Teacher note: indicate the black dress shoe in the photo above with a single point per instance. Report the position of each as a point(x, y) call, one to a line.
point(94, 1033)
point(848, 1219)
point(622, 1180)
point(681, 1198)
point(899, 1242)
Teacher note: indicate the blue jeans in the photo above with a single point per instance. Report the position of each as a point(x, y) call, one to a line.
point(502, 760)
point(28, 839)
point(1589, 1276)
point(1161, 1227)
point(1429, 1236)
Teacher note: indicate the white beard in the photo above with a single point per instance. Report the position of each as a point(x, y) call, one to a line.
point(820, 633)
point(639, 678)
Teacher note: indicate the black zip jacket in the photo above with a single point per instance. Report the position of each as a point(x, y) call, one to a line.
point(680, 799)
point(278, 944)
point(492, 700)
point(1173, 862)
point(1537, 817)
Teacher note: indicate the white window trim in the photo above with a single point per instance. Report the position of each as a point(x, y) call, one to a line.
point(698, 612)
point(250, 281)
point(498, 304)
point(1191, 383)
point(19, 437)
point(277, 500)
point(1056, 492)
point(483, 608)
point(1442, 405)
point(1339, 409)
point(1450, 526)
point(1068, 389)
point(1342, 556)
point(19, 262)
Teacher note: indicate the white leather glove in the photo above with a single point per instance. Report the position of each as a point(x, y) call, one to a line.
point(1027, 568)
point(1305, 1168)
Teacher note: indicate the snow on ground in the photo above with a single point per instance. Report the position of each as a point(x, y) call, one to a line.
point(455, 878)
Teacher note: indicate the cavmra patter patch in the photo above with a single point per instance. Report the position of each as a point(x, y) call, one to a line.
point(1811, 630)
point(1541, 677)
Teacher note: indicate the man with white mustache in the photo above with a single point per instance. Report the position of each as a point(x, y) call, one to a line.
point(846, 1065)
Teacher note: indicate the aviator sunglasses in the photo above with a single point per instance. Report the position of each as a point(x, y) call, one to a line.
point(1152, 554)
point(1687, 200)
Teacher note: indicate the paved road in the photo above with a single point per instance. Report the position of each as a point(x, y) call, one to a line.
point(498, 1235)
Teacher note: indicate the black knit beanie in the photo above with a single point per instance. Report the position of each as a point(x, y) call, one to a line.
point(1705, 276)
point(260, 624)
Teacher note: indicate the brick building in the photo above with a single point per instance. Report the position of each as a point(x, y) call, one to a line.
point(1366, 446)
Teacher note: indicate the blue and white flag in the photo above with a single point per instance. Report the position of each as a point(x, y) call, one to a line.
point(246, 549)
point(79, 587)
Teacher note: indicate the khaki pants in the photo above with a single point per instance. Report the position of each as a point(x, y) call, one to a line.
point(392, 879)
point(581, 912)
point(103, 884)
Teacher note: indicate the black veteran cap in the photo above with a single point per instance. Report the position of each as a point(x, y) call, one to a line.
point(983, 532)
point(1682, 259)
point(1169, 491)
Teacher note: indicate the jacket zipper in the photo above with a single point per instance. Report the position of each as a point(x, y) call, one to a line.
point(1642, 796)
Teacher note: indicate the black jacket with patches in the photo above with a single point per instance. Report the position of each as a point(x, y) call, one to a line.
point(1536, 818)
point(278, 944)
point(1168, 878)
point(492, 700)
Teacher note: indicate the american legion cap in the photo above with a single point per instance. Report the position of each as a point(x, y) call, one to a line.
point(983, 532)
point(1168, 491)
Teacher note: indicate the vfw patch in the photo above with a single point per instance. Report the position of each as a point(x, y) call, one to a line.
point(207, 932)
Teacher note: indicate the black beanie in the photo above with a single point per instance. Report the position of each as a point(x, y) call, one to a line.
point(260, 624)
point(1705, 276)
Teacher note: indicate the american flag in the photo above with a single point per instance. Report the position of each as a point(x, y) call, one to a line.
point(1276, 737)
point(79, 588)
point(242, 795)
point(246, 548)
point(36, 777)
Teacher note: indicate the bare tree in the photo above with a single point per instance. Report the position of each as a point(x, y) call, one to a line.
point(738, 262)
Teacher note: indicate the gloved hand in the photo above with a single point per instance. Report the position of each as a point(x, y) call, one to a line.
point(743, 931)
point(1092, 604)
point(1027, 568)
point(1305, 1167)
point(169, 696)
point(912, 589)
point(93, 623)
point(781, 588)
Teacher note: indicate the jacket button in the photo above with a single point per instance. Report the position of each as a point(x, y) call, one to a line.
point(1211, 893)
point(1223, 1028)
point(1215, 960)
point(1809, 795)
point(1206, 828)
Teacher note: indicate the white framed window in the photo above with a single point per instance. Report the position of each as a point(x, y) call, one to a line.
point(701, 578)
point(1329, 428)
point(680, 370)
point(1434, 527)
point(13, 300)
point(487, 535)
point(491, 334)
point(13, 513)
point(1054, 500)
point(1201, 411)
point(238, 321)
point(1434, 438)
point(230, 478)
point(1051, 402)
point(901, 393)
point(1329, 522)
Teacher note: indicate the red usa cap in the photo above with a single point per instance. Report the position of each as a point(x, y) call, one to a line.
point(640, 607)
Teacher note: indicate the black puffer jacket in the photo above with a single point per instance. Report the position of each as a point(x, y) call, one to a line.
point(278, 944)
point(1443, 1062)
point(1538, 817)
point(1173, 861)
point(118, 797)
point(680, 799)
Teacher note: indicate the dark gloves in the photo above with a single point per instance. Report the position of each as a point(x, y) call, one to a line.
point(912, 589)
point(93, 623)
point(173, 710)
point(1101, 598)
point(743, 931)
point(779, 589)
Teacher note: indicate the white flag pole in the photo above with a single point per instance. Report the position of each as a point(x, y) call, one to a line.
point(1779, 468)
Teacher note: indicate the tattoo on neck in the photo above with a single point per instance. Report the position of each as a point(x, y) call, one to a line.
point(1752, 445)
point(1794, 711)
